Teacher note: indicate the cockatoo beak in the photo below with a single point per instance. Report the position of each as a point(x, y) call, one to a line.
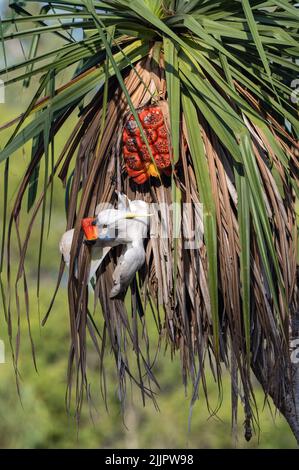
point(90, 229)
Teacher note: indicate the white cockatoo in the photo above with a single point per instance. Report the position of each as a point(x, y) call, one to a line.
point(128, 226)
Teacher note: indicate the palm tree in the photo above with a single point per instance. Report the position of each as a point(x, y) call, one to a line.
point(222, 74)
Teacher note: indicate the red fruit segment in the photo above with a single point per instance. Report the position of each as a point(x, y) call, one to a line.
point(151, 117)
point(162, 132)
point(161, 146)
point(135, 173)
point(142, 178)
point(133, 161)
point(132, 126)
point(151, 135)
point(125, 135)
point(139, 177)
point(163, 161)
point(144, 153)
point(132, 144)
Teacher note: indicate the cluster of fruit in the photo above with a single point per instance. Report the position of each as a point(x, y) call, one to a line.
point(137, 158)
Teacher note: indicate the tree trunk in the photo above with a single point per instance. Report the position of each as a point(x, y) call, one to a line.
point(286, 402)
point(290, 408)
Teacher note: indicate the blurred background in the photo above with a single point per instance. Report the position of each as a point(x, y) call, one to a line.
point(39, 419)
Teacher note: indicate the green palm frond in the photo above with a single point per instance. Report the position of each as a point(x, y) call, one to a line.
point(225, 71)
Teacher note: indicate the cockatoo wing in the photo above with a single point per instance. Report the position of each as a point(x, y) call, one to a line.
point(130, 261)
point(97, 257)
point(65, 245)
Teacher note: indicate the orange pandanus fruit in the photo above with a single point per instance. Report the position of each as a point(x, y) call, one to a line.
point(137, 158)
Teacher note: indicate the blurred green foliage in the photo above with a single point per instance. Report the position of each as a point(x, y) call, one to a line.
point(41, 420)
